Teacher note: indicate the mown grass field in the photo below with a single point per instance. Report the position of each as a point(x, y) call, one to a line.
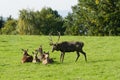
point(103, 55)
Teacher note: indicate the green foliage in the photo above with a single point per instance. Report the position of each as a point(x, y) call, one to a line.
point(68, 22)
point(39, 22)
point(26, 22)
point(1, 23)
point(100, 17)
point(51, 21)
point(102, 52)
point(9, 27)
point(88, 17)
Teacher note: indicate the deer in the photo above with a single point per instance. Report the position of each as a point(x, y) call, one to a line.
point(35, 57)
point(40, 50)
point(44, 56)
point(46, 59)
point(26, 57)
point(67, 46)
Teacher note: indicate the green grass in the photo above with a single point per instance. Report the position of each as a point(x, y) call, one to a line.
point(103, 55)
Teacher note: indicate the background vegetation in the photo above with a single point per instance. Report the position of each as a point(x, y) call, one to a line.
point(88, 17)
point(103, 55)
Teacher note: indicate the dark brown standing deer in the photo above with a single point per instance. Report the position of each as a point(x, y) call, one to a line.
point(66, 46)
point(26, 56)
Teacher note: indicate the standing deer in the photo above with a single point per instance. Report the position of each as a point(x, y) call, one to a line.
point(66, 46)
point(26, 56)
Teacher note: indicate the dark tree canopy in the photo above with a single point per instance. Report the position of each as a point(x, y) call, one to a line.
point(94, 17)
point(1, 22)
point(88, 17)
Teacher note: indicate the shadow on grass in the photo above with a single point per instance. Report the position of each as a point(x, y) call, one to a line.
point(106, 60)
point(3, 65)
point(56, 62)
point(40, 63)
point(3, 41)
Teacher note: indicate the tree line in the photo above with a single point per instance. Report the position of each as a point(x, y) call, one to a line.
point(88, 17)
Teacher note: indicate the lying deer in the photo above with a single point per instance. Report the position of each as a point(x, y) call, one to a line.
point(40, 50)
point(35, 57)
point(46, 59)
point(66, 46)
point(44, 56)
point(26, 56)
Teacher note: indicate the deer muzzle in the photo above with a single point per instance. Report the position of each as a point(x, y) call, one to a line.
point(52, 50)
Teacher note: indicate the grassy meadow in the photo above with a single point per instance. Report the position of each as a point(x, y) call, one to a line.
point(103, 55)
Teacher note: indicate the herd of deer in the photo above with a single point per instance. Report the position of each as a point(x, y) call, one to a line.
point(63, 47)
point(42, 57)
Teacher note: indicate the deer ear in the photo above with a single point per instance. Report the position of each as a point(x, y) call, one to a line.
point(22, 49)
point(51, 44)
point(48, 52)
point(36, 53)
point(36, 50)
point(27, 50)
point(44, 52)
point(55, 44)
point(33, 53)
point(40, 46)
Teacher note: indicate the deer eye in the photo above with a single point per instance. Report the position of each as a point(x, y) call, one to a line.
point(55, 44)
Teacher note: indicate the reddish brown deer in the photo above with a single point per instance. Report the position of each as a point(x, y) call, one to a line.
point(66, 46)
point(26, 56)
point(35, 57)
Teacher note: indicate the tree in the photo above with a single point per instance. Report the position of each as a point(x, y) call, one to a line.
point(111, 10)
point(1, 23)
point(96, 17)
point(9, 26)
point(26, 22)
point(68, 23)
point(40, 22)
point(51, 21)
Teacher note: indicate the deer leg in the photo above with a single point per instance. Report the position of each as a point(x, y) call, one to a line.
point(77, 56)
point(63, 56)
point(84, 55)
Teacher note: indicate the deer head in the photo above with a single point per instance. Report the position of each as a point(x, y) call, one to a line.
point(45, 55)
point(25, 52)
point(55, 45)
point(45, 58)
point(26, 57)
point(35, 55)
